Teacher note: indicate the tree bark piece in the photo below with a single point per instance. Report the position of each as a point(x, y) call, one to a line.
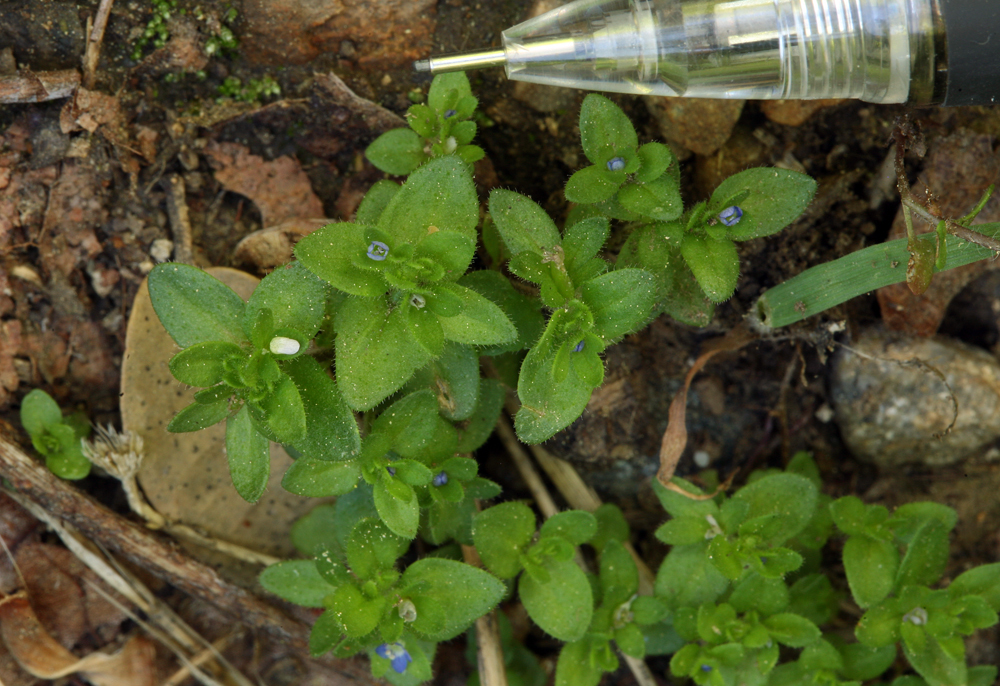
point(29, 86)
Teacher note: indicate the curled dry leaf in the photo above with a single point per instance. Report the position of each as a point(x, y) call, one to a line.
point(42, 656)
point(675, 437)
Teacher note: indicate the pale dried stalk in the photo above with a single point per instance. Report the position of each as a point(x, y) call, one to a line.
point(489, 653)
point(95, 36)
point(548, 508)
point(580, 496)
point(163, 624)
point(121, 455)
point(180, 223)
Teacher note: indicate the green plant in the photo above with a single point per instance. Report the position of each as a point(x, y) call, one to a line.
point(254, 91)
point(389, 301)
point(743, 577)
point(441, 127)
point(221, 40)
point(55, 437)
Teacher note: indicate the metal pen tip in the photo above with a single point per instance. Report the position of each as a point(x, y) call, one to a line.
point(461, 62)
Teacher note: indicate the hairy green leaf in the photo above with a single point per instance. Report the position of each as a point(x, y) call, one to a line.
point(297, 581)
point(459, 591)
point(398, 152)
point(195, 307)
point(248, 455)
point(522, 223)
point(563, 605)
point(772, 199)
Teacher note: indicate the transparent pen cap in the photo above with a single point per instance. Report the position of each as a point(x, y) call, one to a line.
point(759, 49)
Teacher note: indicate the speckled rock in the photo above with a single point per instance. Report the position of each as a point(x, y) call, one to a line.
point(891, 402)
point(700, 125)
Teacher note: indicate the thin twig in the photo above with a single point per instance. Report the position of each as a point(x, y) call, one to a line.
point(180, 223)
point(94, 39)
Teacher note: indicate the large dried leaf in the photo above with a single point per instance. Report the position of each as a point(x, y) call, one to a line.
point(186, 476)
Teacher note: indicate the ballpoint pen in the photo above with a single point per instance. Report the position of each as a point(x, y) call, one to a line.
point(882, 51)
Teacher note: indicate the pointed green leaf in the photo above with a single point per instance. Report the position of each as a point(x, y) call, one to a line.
point(659, 199)
point(375, 353)
point(687, 577)
point(715, 264)
point(459, 591)
point(576, 526)
point(655, 158)
point(332, 432)
point(871, 566)
point(375, 202)
point(563, 605)
point(501, 533)
point(400, 516)
point(297, 581)
point(202, 364)
point(450, 249)
point(522, 311)
point(295, 296)
point(398, 152)
point(314, 478)
point(620, 301)
point(198, 416)
point(338, 254)
point(479, 321)
point(574, 667)
point(439, 194)
point(926, 556)
point(248, 455)
point(480, 425)
point(284, 412)
point(773, 199)
point(590, 185)
point(522, 223)
point(604, 129)
point(193, 306)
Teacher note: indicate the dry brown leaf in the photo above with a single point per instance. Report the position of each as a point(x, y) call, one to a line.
point(280, 189)
point(272, 247)
point(675, 437)
point(39, 654)
point(185, 475)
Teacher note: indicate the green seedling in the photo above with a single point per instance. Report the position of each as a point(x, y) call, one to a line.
point(442, 126)
point(743, 578)
point(256, 90)
point(55, 437)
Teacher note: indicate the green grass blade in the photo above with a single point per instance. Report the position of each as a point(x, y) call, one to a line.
point(824, 286)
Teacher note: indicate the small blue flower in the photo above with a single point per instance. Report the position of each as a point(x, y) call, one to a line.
point(440, 479)
point(731, 216)
point(391, 470)
point(578, 347)
point(448, 114)
point(616, 164)
point(396, 653)
point(706, 668)
point(378, 251)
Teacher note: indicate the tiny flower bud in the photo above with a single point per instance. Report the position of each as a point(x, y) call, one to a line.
point(578, 347)
point(418, 301)
point(378, 251)
point(450, 113)
point(450, 145)
point(391, 470)
point(440, 479)
point(616, 164)
point(731, 215)
point(917, 615)
point(407, 610)
point(280, 345)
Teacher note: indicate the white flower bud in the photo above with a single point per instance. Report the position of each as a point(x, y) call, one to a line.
point(281, 345)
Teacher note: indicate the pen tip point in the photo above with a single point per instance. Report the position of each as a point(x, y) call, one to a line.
point(422, 65)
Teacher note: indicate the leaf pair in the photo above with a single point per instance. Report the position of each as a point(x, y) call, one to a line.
point(55, 437)
point(635, 181)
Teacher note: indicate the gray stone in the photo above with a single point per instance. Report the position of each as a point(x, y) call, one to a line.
point(893, 406)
